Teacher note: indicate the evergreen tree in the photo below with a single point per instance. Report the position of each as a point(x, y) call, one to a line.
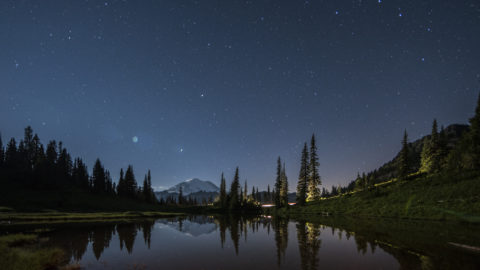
point(51, 154)
point(364, 181)
point(278, 184)
point(443, 148)
point(241, 196)
point(108, 183)
point(284, 188)
point(10, 164)
point(314, 181)
point(269, 195)
point(11, 156)
point(2, 153)
point(404, 163)
point(130, 183)
point(431, 155)
point(358, 182)
point(145, 190)
point(151, 193)
point(29, 148)
point(121, 190)
point(98, 177)
point(245, 192)
point(64, 166)
point(234, 199)
point(303, 177)
point(180, 196)
point(471, 155)
point(80, 174)
point(370, 181)
point(223, 192)
point(2, 158)
point(254, 195)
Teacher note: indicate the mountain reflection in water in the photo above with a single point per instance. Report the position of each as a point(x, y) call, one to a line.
point(239, 242)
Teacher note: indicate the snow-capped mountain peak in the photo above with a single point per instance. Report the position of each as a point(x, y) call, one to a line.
point(194, 185)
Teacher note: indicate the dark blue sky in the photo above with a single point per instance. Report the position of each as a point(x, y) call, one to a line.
point(209, 85)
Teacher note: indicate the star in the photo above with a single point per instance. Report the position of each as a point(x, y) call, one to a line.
point(134, 139)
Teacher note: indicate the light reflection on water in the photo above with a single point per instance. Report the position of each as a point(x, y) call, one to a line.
point(235, 242)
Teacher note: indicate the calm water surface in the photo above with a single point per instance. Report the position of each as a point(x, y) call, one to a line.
point(228, 242)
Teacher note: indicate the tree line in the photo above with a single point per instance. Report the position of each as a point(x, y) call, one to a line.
point(30, 165)
point(237, 198)
point(437, 156)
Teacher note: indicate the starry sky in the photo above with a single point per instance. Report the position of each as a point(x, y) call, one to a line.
point(193, 88)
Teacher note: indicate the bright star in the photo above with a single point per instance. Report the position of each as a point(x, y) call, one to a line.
point(134, 139)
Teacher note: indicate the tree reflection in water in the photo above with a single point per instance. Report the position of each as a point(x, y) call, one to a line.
point(308, 243)
point(414, 245)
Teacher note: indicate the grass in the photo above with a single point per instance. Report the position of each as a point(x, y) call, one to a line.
point(53, 217)
point(434, 197)
point(22, 252)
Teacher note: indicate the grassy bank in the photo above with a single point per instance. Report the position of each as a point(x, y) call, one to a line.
point(49, 217)
point(24, 252)
point(434, 197)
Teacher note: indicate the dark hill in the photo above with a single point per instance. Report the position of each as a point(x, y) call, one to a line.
point(388, 170)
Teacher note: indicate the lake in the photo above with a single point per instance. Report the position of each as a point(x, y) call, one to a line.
point(263, 242)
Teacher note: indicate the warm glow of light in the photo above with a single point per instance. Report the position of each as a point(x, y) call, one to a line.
point(268, 205)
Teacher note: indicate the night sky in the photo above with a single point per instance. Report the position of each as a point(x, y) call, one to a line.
point(193, 88)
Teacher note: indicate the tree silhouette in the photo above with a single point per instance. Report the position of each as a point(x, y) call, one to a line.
point(404, 163)
point(278, 184)
point(431, 152)
point(314, 181)
point(303, 177)
point(223, 192)
point(130, 183)
point(234, 200)
point(98, 177)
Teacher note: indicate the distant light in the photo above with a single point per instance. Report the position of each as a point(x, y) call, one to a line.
point(423, 59)
point(336, 12)
point(181, 150)
point(267, 205)
point(400, 14)
point(134, 139)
